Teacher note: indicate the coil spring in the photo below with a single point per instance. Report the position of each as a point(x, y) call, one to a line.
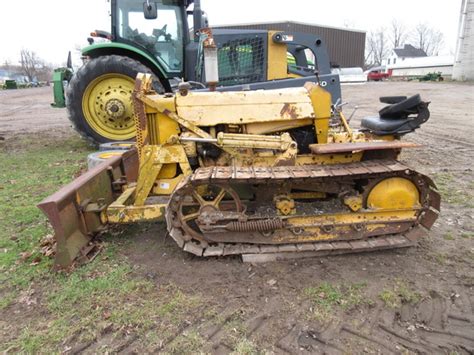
point(255, 226)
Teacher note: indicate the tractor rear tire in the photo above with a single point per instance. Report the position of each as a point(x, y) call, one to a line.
point(98, 98)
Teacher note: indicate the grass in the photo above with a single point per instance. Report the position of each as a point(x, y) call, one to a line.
point(235, 335)
point(235, 330)
point(393, 297)
point(245, 346)
point(7, 298)
point(105, 294)
point(102, 296)
point(448, 236)
point(467, 235)
point(27, 176)
point(104, 291)
point(326, 298)
point(439, 258)
point(190, 343)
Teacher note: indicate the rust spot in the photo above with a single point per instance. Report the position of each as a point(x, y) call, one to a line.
point(288, 111)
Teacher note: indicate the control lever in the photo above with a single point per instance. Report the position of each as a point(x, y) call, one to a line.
point(352, 114)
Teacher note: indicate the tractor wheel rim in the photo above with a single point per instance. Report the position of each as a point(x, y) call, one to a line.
point(107, 106)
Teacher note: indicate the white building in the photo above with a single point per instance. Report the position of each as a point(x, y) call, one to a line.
point(421, 66)
point(410, 61)
point(399, 55)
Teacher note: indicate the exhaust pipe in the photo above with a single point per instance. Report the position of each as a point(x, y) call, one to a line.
point(197, 19)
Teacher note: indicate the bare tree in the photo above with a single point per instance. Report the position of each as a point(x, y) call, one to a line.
point(377, 48)
point(6, 65)
point(33, 67)
point(45, 72)
point(30, 63)
point(398, 33)
point(368, 59)
point(427, 38)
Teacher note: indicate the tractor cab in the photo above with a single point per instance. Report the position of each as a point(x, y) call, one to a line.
point(158, 28)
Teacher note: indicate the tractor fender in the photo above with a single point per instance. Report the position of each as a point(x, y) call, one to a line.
point(126, 50)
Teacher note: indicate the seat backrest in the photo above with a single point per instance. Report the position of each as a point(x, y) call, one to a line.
point(391, 99)
point(401, 109)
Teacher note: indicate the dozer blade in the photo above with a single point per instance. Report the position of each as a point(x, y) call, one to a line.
point(75, 210)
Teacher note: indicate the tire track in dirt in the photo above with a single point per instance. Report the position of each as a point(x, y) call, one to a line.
point(440, 137)
point(428, 327)
point(4, 114)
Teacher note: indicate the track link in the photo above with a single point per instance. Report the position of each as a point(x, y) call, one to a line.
point(253, 252)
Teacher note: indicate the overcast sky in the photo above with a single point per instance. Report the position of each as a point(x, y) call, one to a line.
point(51, 28)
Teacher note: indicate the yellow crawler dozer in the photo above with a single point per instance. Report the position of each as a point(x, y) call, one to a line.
point(267, 174)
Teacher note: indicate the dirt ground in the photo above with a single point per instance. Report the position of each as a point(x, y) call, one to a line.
point(418, 300)
point(28, 111)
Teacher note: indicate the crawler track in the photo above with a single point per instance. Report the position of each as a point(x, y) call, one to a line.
point(259, 249)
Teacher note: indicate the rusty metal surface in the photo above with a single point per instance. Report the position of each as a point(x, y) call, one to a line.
point(303, 171)
point(325, 249)
point(208, 41)
point(391, 235)
point(435, 199)
point(139, 115)
point(415, 234)
point(428, 219)
point(359, 146)
point(289, 110)
point(70, 211)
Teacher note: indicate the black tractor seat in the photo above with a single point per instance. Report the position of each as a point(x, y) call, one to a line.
point(402, 116)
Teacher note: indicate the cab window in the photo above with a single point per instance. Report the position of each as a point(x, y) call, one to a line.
point(162, 36)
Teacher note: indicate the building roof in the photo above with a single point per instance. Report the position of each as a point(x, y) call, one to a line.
point(289, 23)
point(408, 51)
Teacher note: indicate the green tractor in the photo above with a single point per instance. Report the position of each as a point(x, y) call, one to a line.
point(155, 36)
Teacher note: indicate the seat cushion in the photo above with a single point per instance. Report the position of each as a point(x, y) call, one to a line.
point(382, 126)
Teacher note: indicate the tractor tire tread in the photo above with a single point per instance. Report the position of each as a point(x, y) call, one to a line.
point(78, 84)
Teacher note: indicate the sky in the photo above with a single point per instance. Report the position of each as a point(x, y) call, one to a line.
point(53, 27)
